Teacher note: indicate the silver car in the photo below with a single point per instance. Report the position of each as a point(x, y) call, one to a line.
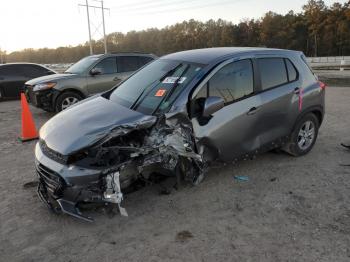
point(91, 75)
point(176, 117)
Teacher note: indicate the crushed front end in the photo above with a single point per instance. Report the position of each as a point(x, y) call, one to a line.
point(99, 173)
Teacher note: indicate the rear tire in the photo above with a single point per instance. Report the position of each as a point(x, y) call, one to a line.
point(66, 99)
point(303, 136)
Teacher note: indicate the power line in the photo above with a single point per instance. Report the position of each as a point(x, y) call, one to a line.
point(230, 2)
point(152, 4)
point(96, 28)
point(130, 4)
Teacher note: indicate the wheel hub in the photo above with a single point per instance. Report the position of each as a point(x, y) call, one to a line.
point(306, 135)
point(68, 101)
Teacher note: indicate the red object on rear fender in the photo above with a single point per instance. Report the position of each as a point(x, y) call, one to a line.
point(322, 85)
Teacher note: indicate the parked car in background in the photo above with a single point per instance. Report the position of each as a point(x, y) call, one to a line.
point(14, 75)
point(91, 75)
point(175, 117)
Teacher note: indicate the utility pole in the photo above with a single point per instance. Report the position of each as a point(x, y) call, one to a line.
point(103, 22)
point(316, 47)
point(88, 18)
point(104, 30)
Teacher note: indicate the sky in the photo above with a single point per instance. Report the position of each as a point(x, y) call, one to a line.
point(54, 23)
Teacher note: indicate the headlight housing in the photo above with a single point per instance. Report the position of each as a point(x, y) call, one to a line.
point(43, 86)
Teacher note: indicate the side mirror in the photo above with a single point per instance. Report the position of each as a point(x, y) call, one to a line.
point(212, 104)
point(95, 71)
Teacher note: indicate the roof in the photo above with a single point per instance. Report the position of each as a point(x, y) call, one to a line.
point(134, 53)
point(20, 63)
point(208, 55)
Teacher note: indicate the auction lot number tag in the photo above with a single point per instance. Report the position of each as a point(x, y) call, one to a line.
point(173, 79)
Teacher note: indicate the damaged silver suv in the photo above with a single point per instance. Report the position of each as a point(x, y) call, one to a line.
point(175, 117)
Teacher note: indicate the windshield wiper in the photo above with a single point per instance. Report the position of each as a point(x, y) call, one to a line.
point(172, 88)
point(137, 101)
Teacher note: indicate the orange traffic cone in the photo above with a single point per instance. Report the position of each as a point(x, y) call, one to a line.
point(28, 126)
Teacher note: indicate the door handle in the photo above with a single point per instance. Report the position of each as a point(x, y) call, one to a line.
point(297, 90)
point(253, 110)
point(116, 79)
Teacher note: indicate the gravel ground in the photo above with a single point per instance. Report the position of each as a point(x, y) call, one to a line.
point(291, 209)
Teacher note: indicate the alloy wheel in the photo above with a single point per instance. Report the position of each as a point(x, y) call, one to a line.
point(68, 101)
point(306, 135)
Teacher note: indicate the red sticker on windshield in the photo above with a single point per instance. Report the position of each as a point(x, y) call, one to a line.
point(160, 92)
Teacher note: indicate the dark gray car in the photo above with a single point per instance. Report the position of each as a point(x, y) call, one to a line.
point(14, 75)
point(175, 117)
point(91, 75)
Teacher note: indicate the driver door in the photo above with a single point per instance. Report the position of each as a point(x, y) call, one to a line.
point(231, 131)
point(107, 77)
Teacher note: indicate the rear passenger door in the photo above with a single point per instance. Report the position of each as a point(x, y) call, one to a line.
point(231, 131)
point(279, 96)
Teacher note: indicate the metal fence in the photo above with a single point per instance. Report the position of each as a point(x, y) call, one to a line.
point(329, 59)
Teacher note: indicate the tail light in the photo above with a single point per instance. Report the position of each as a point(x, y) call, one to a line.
point(322, 85)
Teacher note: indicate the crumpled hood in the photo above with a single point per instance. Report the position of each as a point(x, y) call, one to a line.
point(49, 78)
point(87, 123)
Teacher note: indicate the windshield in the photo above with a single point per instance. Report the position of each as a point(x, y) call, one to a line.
point(82, 65)
point(155, 86)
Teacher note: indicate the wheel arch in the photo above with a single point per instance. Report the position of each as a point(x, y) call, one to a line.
point(69, 89)
point(66, 90)
point(316, 110)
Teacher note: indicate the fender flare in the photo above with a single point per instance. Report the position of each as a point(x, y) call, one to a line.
point(317, 110)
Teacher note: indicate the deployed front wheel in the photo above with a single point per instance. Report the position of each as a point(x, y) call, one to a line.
point(304, 136)
point(67, 99)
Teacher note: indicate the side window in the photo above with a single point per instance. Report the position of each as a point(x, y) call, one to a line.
point(292, 72)
point(33, 71)
point(127, 63)
point(272, 72)
point(144, 60)
point(11, 71)
point(7, 71)
point(107, 66)
point(233, 81)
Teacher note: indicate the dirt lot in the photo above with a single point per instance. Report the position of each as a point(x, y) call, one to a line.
point(291, 209)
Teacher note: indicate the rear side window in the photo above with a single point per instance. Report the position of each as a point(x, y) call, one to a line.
point(233, 81)
point(33, 71)
point(272, 72)
point(128, 63)
point(107, 65)
point(10, 70)
point(292, 72)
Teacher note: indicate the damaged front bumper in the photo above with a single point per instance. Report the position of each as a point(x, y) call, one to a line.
point(62, 187)
point(98, 173)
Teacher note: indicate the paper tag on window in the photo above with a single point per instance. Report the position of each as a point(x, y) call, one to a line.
point(160, 92)
point(173, 79)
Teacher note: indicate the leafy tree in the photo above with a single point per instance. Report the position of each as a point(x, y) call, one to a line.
point(317, 30)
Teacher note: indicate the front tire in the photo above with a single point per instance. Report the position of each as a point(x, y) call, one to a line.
point(66, 100)
point(303, 136)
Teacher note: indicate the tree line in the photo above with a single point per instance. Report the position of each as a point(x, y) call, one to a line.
point(319, 30)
